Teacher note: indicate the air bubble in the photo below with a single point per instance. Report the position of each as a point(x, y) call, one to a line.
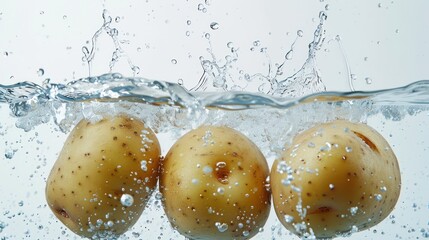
point(214, 25)
point(173, 61)
point(256, 43)
point(221, 190)
point(349, 149)
point(207, 35)
point(368, 80)
point(331, 186)
point(188, 22)
point(300, 33)
point(383, 189)
point(246, 233)
point(221, 227)
point(127, 200)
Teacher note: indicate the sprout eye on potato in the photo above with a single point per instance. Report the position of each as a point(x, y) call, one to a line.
point(335, 178)
point(213, 182)
point(104, 175)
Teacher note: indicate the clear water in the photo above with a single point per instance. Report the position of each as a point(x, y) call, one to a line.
point(269, 107)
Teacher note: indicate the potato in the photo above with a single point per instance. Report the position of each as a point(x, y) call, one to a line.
point(213, 182)
point(104, 175)
point(336, 178)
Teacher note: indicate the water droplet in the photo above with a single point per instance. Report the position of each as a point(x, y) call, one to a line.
point(214, 25)
point(200, 7)
point(40, 72)
point(331, 186)
point(349, 149)
point(300, 33)
point(365, 59)
point(246, 233)
point(327, 7)
point(338, 38)
point(207, 35)
point(21, 203)
point(180, 81)
point(207, 2)
point(139, 49)
point(368, 80)
point(397, 31)
point(289, 218)
point(127, 200)
point(311, 145)
point(221, 227)
point(383, 189)
point(380, 5)
point(64, 17)
point(173, 61)
point(353, 76)
point(6, 54)
point(117, 19)
point(42, 12)
point(188, 22)
point(143, 165)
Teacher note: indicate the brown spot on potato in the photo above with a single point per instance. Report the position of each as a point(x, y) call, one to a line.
point(62, 212)
point(367, 141)
point(323, 209)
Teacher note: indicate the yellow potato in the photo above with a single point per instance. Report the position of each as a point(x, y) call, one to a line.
point(104, 175)
point(336, 178)
point(213, 182)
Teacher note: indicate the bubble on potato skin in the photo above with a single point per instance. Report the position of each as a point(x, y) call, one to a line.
point(246, 233)
point(207, 139)
point(378, 197)
point(221, 227)
point(353, 210)
point(288, 218)
point(195, 181)
point(331, 186)
point(221, 190)
point(383, 189)
point(349, 149)
point(143, 165)
point(127, 200)
point(207, 169)
point(326, 148)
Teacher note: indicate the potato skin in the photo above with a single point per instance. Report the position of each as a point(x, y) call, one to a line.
point(213, 185)
point(98, 164)
point(343, 176)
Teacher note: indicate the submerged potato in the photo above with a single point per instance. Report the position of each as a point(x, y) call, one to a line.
point(336, 177)
point(213, 185)
point(104, 175)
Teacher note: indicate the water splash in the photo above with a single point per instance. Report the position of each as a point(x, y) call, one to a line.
point(118, 53)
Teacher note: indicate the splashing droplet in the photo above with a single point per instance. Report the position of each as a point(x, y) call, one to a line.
point(368, 80)
point(214, 25)
point(40, 72)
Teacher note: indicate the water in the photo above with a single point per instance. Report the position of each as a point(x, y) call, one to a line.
point(36, 119)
